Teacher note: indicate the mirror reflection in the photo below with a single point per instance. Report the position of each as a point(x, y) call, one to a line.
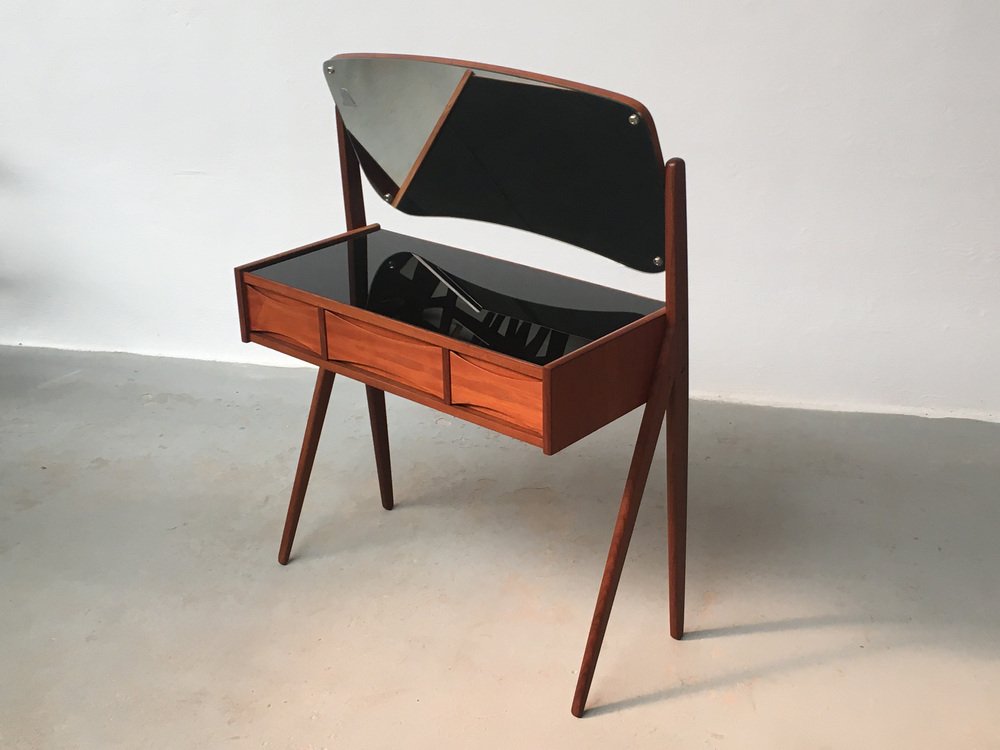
point(465, 295)
point(443, 139)
point(411, 289)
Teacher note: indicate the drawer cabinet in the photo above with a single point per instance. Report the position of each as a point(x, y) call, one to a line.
point(289, 320)
point(385, 353)
point(496, 391)
point(300, 303)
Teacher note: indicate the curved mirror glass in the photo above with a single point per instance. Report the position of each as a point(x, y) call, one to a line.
point(443, 139)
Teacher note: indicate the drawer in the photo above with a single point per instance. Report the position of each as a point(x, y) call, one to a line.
point(496, 391)
point(385, 353)
point(290, 320)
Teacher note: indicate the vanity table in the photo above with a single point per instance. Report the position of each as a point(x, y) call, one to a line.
point(540, 357)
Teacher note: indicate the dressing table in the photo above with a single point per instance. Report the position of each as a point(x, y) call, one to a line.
point(540, 357)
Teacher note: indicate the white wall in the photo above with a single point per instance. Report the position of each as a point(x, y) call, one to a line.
point(843, 165)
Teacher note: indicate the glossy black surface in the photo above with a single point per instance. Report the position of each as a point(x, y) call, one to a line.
point(552, 160)
point(520, 311)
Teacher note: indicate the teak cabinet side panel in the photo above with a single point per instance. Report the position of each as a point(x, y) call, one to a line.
point(595, 387)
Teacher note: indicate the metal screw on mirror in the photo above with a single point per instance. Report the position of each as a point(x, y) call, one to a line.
point(658, 261)
point(329, 70)
point(387, 197)
point(633, 119)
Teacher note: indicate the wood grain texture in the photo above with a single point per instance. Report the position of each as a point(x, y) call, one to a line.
point(675, 252)
point(357, 265)
point(635, 485)
point(590, 388)
point(350, 178)
point(677, 410)
point(668, 395)
point(496, 391)
point(584, 390)
point(446, 371)
point(380, 439)
point(241, 306)
point(310, 442)
point(354, 212)
point(677, 486)
point(291, 319)
point(383, 352)
point(388, 385)
point(405, 329)
point(321, 324)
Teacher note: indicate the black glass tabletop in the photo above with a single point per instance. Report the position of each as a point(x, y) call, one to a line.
point(520, 311)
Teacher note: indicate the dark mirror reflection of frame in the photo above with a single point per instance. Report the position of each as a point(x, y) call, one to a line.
point(558, 159)
point(409, 288)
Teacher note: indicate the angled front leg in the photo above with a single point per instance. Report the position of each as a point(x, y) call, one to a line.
point(310, 441)
point(635, 484)
point(380, 437)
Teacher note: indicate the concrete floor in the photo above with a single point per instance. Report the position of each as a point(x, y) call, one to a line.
point(844, 575)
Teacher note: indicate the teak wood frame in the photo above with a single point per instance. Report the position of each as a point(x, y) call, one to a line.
point(665, 397)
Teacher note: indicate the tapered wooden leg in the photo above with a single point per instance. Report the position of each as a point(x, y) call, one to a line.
point(380, 436)
point(310, 441)
point(642, 458)
point(677, 472)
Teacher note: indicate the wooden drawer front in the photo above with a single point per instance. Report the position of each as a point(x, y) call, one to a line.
point(496, 391)
point(385, 353)
point(295, 322)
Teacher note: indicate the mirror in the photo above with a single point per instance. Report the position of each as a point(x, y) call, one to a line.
point(442, 138)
